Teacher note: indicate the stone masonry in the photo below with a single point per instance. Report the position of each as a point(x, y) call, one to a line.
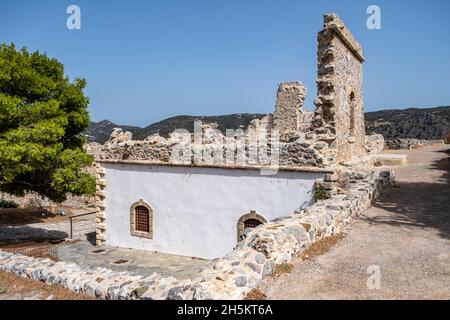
point(340, 102)
point(290, 98)
point(100, 195)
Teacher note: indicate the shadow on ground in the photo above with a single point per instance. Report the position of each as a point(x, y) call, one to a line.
point(12, 233)
point(419, 204)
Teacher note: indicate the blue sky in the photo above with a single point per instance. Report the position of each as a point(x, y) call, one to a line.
point(148, 60)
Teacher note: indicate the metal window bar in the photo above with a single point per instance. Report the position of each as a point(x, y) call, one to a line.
point(251, 223)
point(142, 216)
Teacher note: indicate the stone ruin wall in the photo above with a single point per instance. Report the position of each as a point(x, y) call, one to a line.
point(288, 108)
point(340, 92)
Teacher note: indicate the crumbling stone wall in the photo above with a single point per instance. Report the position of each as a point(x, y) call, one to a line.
point(340, 102)
point(296, 148)
point(290, 98)
point(374, 143)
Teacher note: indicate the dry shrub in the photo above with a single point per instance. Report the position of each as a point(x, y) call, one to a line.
point(255, 294)
point(321, 246)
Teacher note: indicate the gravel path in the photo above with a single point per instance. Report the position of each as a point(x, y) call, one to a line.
point(406, 234)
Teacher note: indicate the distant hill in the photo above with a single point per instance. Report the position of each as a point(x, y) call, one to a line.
point(431, 123)
point(100, 131)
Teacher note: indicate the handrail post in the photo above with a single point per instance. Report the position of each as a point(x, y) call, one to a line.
point(80, 215)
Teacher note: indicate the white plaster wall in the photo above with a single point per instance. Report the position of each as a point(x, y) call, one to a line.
point(196, 210)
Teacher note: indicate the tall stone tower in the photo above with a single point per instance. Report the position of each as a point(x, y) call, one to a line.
point(339, 102)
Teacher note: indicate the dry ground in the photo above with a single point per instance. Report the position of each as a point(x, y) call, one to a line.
point(16, 288)
point(406, 233)
point(20, 216)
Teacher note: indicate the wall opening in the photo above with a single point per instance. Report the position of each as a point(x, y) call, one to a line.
point(141, 220)
point(251, 223)
point(352, 105)
point(249, 220)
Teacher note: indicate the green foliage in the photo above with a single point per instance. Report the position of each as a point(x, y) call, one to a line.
point(320, 193)
point(8, 204)
point(42, 115)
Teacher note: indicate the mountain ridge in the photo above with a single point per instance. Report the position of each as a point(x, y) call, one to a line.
point(418, 123)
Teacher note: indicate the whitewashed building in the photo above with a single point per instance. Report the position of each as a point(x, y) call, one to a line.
point(195, 211)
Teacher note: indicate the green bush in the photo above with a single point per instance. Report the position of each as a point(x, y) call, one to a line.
point(8, 204)
point(320, 193)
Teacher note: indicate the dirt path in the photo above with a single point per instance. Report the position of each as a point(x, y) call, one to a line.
point(406, 234)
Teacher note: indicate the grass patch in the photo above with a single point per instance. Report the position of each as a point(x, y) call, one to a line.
point(281, 269)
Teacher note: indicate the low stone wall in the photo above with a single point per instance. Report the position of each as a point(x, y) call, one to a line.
point(233, 276)
point(230, 277)
point(100, 282)
point(33, 200)
point(410, 144)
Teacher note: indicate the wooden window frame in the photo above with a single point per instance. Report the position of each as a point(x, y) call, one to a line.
point(137, 233)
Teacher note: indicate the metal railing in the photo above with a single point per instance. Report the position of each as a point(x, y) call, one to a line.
point(77, 216)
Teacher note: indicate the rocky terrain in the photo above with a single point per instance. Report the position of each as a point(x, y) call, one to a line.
point(423, 124)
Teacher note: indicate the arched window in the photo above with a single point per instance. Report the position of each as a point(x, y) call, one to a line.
point(352, 107)
point(141, 220)
point(249, 220)
point(251, 223)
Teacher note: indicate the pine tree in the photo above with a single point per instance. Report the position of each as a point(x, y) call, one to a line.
point(42, 116)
